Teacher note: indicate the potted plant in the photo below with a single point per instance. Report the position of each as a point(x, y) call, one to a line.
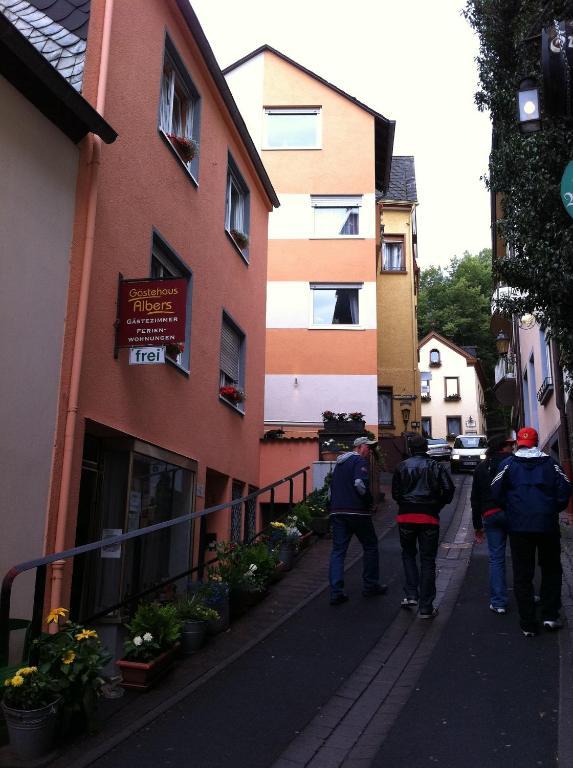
point(75, 657)
point(149, 651)
point(318, 503)
point(30, 704)
point(302, 515)
point(215, 594)
point(174, 350)
point(185, 147)
point(247, 570)
point(287, 536)
point(232, 394)
point(194, 616)
point(240, 238)
point(331, 449)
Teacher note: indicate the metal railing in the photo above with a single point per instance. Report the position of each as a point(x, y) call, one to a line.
point(41, 564)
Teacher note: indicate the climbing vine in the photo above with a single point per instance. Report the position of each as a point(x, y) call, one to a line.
point(527, 169)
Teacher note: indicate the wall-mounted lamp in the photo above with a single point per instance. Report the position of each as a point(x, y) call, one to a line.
point(296, 381)
point(502, 343)
point(405, 415)
point(528, 105)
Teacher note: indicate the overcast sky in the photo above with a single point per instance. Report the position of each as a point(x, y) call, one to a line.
point(410, 60)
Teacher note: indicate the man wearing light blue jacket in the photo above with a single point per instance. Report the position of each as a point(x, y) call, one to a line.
point(532, 489)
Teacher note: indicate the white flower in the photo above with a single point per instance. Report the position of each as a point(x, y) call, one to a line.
point(147, 637)
point(252, 567)
point(137, 640)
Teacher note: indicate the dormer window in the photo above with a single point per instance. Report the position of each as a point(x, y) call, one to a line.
point(435, 360)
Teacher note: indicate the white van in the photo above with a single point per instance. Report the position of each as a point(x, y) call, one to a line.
point(467, 452)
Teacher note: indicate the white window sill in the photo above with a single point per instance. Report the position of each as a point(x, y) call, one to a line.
point(176, 154)
point(289, 149)
point(243, 254)
point(337, 237)
point(336, 327)
point(234, 406)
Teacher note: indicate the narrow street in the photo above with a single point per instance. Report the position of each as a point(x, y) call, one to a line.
point(367, 683)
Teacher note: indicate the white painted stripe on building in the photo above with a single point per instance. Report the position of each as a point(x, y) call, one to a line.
point(289, 305)
point(294, 220)
point(246, 84)
point(302, 398)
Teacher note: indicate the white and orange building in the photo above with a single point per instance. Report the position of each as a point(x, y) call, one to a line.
point(326, 154)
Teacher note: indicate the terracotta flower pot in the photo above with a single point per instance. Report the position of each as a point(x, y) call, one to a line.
point(141, 675)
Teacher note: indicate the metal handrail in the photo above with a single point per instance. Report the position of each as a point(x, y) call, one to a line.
point(41, 563)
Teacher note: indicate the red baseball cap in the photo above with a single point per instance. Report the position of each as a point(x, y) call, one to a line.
point(527, 438)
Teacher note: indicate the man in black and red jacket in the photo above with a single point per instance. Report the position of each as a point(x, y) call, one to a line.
point(421, 487)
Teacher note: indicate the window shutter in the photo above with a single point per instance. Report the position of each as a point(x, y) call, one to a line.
point(230, 351)
point(335, 201)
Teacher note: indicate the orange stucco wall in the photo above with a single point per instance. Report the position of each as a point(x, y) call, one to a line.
point(298, 350)
point(143, 187)
point(280, 458)
point(289, 260)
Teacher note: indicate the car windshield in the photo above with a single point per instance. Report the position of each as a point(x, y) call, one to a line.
point(436, 441)
point(465, 441)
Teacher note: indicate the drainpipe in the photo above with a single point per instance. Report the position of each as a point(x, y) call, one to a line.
point(92, 150)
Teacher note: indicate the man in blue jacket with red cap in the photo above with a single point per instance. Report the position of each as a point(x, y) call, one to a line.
point(532, 489)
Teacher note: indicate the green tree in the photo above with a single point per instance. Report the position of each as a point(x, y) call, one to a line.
point(527, 169)
point(456, 302)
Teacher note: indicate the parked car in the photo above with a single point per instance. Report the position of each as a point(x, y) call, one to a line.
point(439, 449)
point(467, 452)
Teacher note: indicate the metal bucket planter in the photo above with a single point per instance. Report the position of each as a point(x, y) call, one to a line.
point(31, 731)
point(193, 636)
point(286, 555)
point(141, 675)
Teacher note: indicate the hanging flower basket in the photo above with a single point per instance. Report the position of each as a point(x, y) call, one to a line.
point(233, 394)
point(240, 238)
point(186, 148)
point(173, 350)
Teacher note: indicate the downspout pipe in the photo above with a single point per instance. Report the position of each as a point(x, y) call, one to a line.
point(93, 152)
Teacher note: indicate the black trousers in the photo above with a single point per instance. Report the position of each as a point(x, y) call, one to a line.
point(524, 549)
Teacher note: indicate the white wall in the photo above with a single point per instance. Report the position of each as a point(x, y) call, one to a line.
point(37, 197)
point(295, 218)
point(303, 398)
point(246, 84)
point(289, 305)
point(453, 364)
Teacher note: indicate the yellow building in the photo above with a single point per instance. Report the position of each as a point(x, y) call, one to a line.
point(396, 298)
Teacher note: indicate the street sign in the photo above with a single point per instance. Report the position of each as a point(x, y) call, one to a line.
point(146, 355)
point(567, 188)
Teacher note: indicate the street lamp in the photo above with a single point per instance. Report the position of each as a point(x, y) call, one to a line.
point(502, 344)
point(405, 415)
point(528, 104)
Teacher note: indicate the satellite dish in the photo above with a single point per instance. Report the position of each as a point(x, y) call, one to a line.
point(527, 321)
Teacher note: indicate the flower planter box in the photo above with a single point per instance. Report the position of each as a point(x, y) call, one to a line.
point(140, 675)
point(304, 541)
point(240, 600)
point(329, 455)
point(320, 525)
point(333, 425)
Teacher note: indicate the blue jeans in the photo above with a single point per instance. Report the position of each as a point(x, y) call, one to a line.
point(343, 528)
point(420, 582)
point(496, 533)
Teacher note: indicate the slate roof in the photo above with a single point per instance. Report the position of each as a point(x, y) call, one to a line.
point(57, 29)
point(402, 184)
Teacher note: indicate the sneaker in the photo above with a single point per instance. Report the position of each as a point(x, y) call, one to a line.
point(499, 610)
point(379, 589)
point(552, 624)
point(409, 602)
point(530, 630)
point(428, 614)
point(339, 599)
point(528, 633)
point(536, 598)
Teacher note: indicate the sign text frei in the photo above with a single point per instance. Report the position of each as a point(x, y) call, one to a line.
point(152, 312)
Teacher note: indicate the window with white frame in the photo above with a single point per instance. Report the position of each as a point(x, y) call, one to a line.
point(393, 254)
point(335, 304)
point(427, 426)
point(385, 417)
point(336, 216)
point(292, 128)
point(179, 109)
point(435, 359)
point(232, 363)
point(237, 208)
point(425, 378)
point(165, 263)
point(452, 387)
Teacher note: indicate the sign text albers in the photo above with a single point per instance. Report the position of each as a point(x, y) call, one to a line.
point(151, 312)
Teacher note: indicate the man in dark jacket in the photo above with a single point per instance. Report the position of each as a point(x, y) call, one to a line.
point(351, 513)
point(486, 513)
point(421, 487)
point(532, 489)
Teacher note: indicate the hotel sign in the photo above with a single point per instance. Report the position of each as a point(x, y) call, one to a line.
point(151, 312)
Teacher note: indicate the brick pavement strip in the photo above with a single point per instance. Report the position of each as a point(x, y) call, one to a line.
point(378, 689)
